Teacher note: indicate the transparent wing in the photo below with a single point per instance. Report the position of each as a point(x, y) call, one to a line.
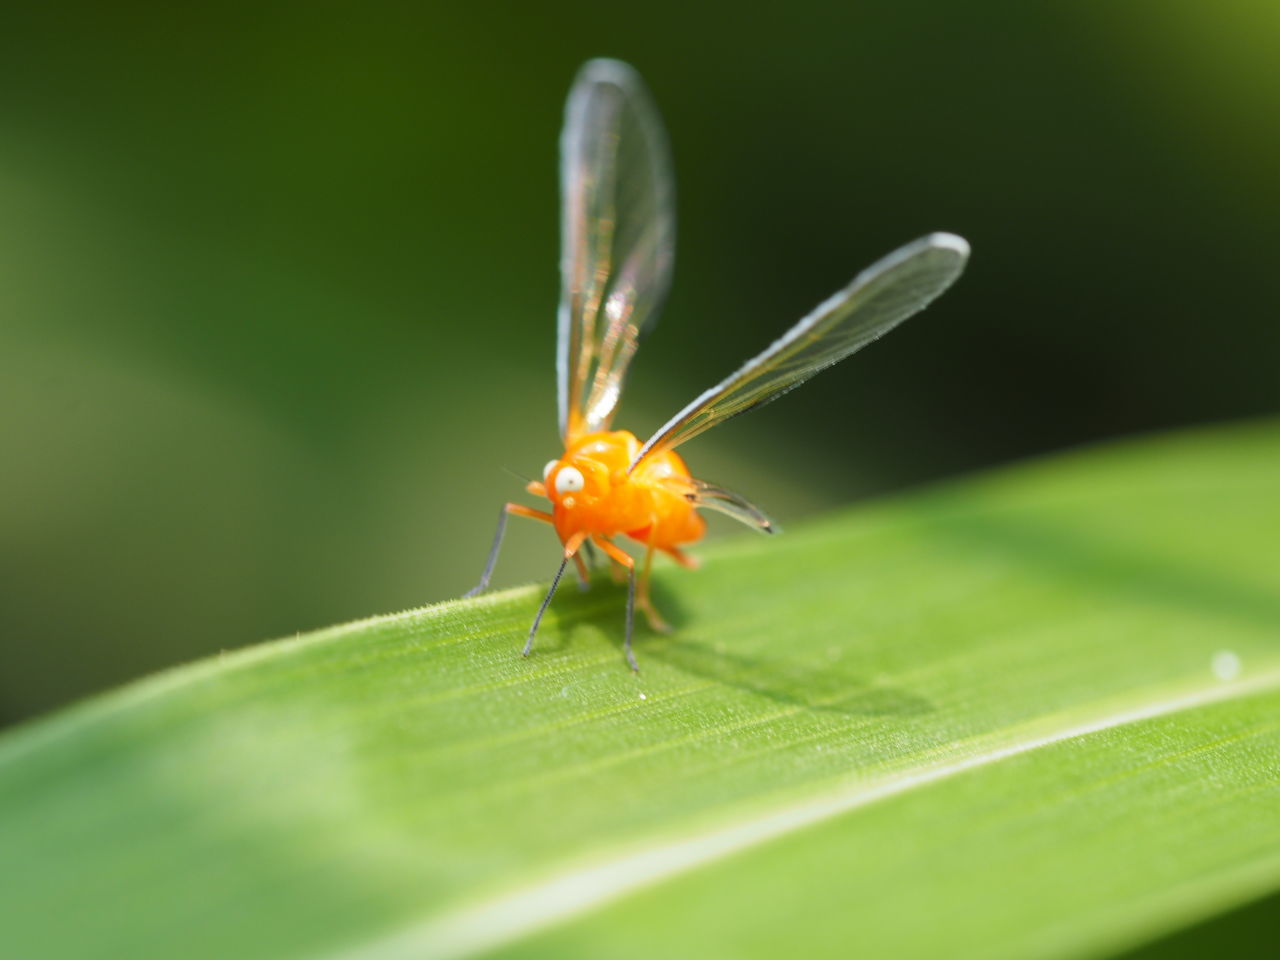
point(711, 497)
point(878, 299)
point(617, 236)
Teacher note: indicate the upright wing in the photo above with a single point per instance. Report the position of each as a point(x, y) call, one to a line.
point(877, 300)
point(617, 236)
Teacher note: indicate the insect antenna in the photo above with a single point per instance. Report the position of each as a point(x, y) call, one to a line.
point(518, 475)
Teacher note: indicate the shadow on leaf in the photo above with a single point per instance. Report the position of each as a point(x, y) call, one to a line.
point(820, 686)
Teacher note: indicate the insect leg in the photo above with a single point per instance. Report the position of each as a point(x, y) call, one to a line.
point(631, 617)
point(682, 558)
point(519, 510)
point(624, 559)
point(546, 602)
point(570, 552)
point(614, 552)
point(584, 566)
point(584, 576)
point(646, 602)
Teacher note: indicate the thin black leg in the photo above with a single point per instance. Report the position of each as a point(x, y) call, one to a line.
point(631, 616)
point(493, 555)
point(546, 602)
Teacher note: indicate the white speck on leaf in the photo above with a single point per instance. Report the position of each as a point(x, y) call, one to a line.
point(1225, 665)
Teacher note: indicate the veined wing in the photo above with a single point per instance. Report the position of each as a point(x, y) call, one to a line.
point(710, 497)
point(878, 299)
point(617, 236)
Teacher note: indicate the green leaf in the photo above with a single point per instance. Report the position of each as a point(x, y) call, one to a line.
point(1031, 714)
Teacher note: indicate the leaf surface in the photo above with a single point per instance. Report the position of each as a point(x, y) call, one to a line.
point(1028, 714)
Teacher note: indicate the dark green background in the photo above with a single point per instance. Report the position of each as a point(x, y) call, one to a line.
point(277, 282)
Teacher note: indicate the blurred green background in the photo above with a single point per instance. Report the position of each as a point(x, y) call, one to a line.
point(277, 281)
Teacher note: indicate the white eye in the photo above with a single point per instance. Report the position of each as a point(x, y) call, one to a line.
point(546, 471)
point(569, 480)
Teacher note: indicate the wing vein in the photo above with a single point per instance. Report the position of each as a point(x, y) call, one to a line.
point(877, 300)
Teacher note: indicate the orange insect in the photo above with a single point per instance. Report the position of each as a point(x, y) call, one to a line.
point(618, 236)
